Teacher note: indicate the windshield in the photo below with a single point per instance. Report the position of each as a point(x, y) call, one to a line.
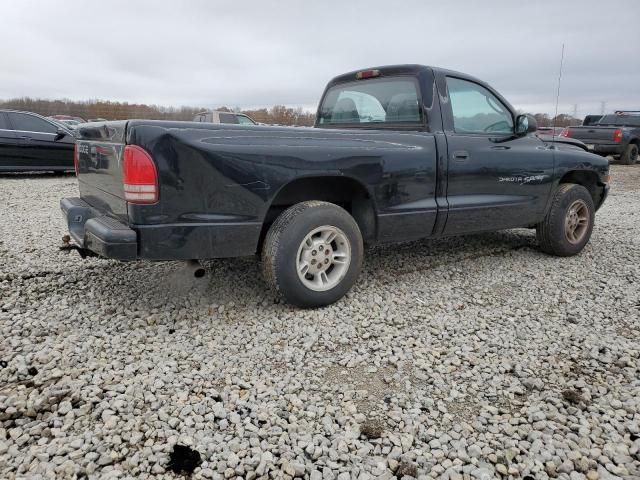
point(381, 100)
point(620, 120)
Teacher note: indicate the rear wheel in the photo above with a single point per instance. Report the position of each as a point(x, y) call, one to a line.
point(312, 254)
point(567, 227)
point(630, 155)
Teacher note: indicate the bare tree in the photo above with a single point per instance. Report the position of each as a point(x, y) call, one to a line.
point(90, 109)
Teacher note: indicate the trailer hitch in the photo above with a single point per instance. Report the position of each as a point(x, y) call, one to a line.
point(68, 246)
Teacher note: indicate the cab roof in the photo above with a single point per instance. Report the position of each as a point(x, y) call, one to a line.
point(404, 69)
point(416, 70)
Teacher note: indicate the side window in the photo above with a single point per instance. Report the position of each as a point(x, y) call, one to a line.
point(29, 123)
point(242, 120)
point(3, 122)
point(476, 110)
point(228, 118)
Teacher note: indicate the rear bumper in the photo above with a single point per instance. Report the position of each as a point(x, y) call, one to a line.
point(92, 230)
point(604, 148)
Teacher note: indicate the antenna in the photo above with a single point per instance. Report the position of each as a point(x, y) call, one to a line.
point(553, 131)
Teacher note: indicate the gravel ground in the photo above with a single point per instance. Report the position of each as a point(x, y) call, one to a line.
point(475, 357)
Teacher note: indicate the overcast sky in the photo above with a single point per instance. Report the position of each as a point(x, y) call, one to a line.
point(259, 53)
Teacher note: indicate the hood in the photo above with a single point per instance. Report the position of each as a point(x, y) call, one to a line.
point(557, 140)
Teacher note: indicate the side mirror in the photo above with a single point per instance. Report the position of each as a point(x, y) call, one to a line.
point(60, 134)
point(525, 124)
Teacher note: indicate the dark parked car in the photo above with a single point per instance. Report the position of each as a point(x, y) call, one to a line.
point(616, 134)
point(398, 153)
point(30, 142)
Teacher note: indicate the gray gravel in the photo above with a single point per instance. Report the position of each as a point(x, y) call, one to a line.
point(475, 357)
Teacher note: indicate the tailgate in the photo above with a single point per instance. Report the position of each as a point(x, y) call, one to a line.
point(100, 147)
point(593, 135)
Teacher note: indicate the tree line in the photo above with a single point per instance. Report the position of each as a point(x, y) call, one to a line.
point(561, 120)
point(91, 109)
point(276, 115)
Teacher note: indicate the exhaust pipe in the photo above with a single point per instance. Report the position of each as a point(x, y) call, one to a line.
point(195, 268)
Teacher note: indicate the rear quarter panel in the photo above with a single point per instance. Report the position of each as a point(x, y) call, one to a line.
point(231, 174)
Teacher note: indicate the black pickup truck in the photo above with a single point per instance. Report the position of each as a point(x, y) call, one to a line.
point(397, 153)
point(617, 134)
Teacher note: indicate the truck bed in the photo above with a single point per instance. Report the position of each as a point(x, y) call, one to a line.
point(598, 139)
point(217, 182)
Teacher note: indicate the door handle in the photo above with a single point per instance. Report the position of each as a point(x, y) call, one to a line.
point(24, 137)
point(460, 155)
point(500, 147)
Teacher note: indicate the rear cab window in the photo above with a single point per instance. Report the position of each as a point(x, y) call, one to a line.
point(228, 118)
point(372, 102)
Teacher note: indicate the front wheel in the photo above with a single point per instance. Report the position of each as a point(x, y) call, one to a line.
point(567, 227)
point(312, 253)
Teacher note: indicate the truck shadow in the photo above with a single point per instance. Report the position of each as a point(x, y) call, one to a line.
point(426, 254)
point(237, 282)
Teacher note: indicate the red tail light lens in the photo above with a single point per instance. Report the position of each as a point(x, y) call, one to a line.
point(566, 132)
point(139, 176)
point(617, 135)
point(76, 160)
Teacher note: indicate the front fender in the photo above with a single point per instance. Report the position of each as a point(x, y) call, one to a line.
point(576, 166)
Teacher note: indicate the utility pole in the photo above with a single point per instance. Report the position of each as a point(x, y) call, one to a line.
point(603, 106)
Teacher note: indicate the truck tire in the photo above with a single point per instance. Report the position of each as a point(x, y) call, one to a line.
point(567, 227)
point(630, 155)
point(312, 254)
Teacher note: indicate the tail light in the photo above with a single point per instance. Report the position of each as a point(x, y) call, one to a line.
point(76, 160)
point(139, 176)
point(617, 135)
point(566, 132)
point(364, 74)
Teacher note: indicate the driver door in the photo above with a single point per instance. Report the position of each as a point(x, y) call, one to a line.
point(491, 184)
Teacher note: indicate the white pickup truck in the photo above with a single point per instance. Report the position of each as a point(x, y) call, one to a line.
point(216, 116)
